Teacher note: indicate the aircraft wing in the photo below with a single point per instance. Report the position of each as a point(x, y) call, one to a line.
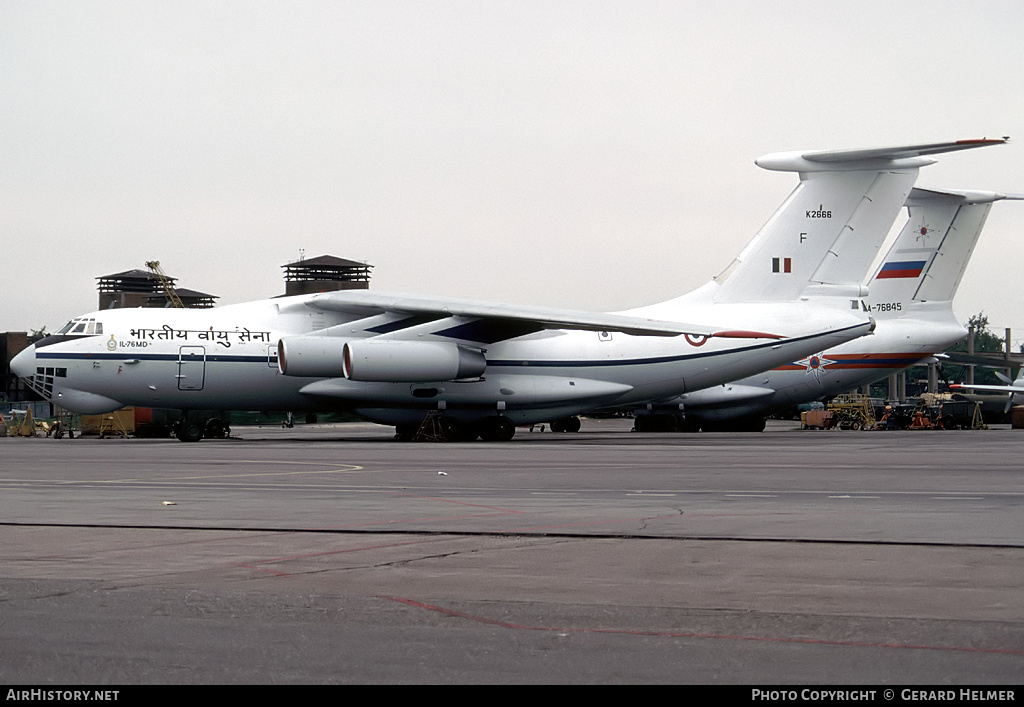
point(514, 320)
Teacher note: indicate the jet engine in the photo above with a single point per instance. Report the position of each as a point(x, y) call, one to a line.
point(395, 361)
point(319, 356)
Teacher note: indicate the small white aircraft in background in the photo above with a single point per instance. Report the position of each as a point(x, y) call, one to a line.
point(482, 367)
point(1014, 389)
point(910, 297)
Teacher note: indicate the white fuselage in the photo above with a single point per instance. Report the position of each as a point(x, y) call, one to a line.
point(901, 339)
point(226, 359)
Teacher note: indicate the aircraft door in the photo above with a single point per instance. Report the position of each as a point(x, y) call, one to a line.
point(191, 367)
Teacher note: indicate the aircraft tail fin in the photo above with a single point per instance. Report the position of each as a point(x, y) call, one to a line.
point(826, 235)
point(928, 258)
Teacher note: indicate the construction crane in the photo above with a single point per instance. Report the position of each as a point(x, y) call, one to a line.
point(166, 283)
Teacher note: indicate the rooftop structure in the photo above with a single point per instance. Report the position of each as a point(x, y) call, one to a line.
point(325, 274)
point(142, 288)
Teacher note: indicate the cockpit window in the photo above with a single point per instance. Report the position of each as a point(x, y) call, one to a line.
point(82, 326)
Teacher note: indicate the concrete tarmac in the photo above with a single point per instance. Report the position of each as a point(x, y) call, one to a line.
point(332, 554)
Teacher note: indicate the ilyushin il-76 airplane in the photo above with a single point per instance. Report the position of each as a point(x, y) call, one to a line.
point(910, 296)
point(484, 368)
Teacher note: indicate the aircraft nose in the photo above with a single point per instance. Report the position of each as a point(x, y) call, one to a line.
point(24, 364)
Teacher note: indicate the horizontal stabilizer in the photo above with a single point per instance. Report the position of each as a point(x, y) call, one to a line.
point(992, 360)
point(920, 196)
point(896, 153)
point(838, 160)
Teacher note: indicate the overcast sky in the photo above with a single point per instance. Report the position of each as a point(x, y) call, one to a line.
point(594, 155)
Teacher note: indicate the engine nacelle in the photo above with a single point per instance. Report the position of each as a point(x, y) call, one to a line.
point(319, 356)
point(398, 361)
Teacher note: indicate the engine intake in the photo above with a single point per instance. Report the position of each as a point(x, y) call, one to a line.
point(319, 356)
point(397, 361)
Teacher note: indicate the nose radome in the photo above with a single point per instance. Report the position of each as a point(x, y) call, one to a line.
point(24, 364)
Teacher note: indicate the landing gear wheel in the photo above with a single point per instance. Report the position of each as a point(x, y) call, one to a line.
point(657, 422)
point(188, 432)
point(456, 430)
point(497, 429)
point(216, 429)
point(566, 424)
point(740, 424)
point(689, 425)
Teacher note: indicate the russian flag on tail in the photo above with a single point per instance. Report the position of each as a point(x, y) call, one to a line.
point(901, 268)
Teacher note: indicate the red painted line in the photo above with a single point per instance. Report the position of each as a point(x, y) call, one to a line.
point(742, 334)
point(290, 558)
point(894, 274)
point(884, 354)
point(686, 634)
point(361, 548)
point(852, 366)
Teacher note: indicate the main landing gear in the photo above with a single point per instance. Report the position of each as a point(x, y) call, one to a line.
point(191, 431)
point(436, 427)
point(566, 424)
point(669, 422)
point(187, 431)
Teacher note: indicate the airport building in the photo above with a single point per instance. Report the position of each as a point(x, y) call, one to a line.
point(13, 343)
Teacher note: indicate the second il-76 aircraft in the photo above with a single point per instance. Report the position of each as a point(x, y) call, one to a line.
point(910, 296)
point(484, 368)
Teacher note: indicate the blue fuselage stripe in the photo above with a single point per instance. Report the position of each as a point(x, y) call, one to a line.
point(147, 357)
point(509, 363)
